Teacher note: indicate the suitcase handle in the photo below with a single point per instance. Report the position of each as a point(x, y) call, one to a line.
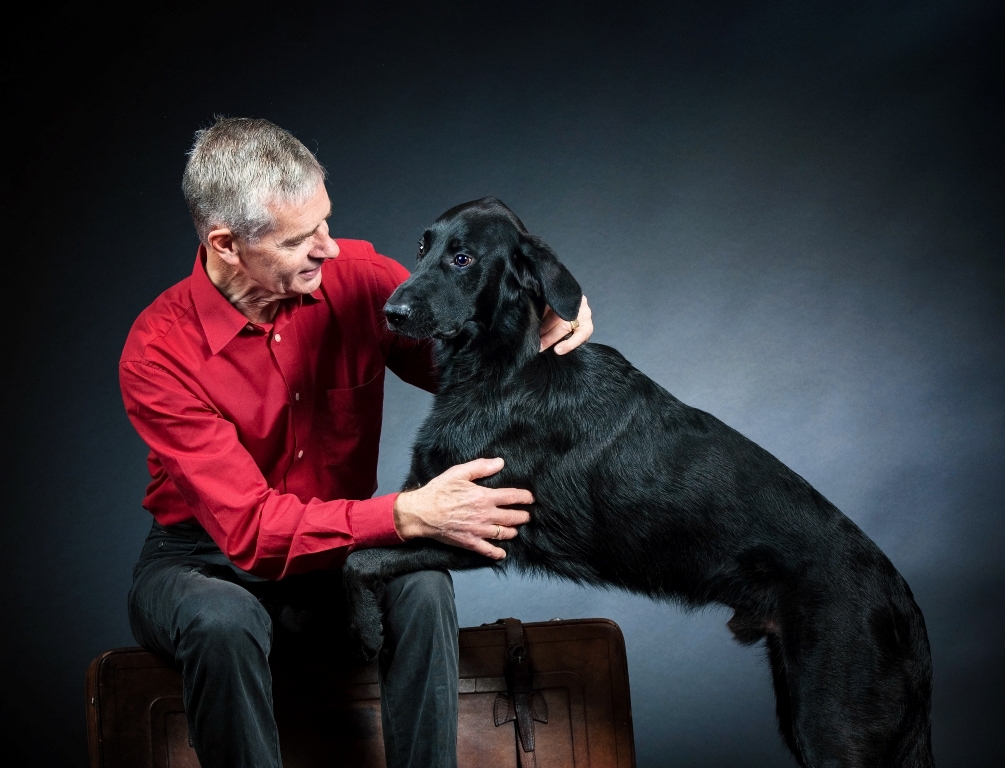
point(521, 703)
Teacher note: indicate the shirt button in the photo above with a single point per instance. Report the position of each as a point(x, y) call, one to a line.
point(297, 395)
point(249, 327)
point(277, 337)
point(300, 455)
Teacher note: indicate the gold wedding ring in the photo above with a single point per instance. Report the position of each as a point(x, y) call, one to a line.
point(498, 532)
point(574, 324)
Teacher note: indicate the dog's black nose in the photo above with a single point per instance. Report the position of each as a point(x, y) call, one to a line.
point(397, 313)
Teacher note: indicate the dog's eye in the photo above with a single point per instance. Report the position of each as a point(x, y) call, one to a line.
point(462, 260)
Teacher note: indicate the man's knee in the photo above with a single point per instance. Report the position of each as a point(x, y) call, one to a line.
point(226, 620)
point(422, 591)
point(420, 607)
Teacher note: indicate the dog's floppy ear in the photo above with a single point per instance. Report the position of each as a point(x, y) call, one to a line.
point(560, 289)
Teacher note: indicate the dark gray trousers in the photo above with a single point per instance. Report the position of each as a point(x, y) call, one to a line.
point(218, 623)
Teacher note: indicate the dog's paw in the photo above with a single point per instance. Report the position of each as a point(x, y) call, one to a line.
point(368, 641)
point(367, 637)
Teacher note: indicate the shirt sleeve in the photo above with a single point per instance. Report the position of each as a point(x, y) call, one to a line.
point(410, 359)
point(260, 529)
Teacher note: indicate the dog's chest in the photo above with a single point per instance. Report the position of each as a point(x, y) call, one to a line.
point(468, 425)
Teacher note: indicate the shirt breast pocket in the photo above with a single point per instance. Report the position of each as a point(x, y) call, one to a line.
point(350, 435)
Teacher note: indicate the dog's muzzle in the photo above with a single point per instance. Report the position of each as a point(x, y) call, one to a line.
point(397, 314)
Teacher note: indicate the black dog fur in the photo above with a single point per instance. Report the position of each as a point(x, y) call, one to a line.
point(636, 490)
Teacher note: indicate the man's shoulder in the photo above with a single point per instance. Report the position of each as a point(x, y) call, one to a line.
point(354, 250)
point(173, 308)
point(358, 257)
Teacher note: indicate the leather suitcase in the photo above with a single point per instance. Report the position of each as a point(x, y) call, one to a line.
point(547, 694)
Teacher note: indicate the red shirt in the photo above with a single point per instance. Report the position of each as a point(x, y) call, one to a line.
point(266, 435)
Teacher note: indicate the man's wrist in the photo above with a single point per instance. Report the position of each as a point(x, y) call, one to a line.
point(402, 517)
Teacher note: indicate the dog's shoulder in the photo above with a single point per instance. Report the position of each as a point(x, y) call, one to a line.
point(602, 357)
point(599, 367)
point(593, 378)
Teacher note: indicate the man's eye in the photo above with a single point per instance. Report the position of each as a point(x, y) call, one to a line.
point(462, 260)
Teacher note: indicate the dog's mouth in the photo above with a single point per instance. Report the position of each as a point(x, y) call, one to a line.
point(428, 332)
point(422, 330)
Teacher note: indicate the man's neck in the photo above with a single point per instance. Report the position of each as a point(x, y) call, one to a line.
point(246, 297)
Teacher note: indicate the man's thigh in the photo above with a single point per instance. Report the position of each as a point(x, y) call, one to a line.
point(174, 599)
point(423, 594)
point(420, 617)
point(180, 583)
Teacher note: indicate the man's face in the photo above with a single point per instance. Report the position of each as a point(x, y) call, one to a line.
point(287, 261)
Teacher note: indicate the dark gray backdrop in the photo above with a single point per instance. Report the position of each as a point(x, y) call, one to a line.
point(788, 214)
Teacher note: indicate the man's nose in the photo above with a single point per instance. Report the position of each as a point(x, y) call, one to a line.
point(327, 248)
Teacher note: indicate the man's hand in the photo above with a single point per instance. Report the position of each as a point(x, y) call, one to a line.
point(554, 328)
point(452, 509)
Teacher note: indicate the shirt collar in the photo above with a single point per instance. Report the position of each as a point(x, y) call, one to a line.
point(220, 320)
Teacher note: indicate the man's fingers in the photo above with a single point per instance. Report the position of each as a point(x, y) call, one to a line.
point(581, 334)
point(549, 320)
point(501, 497)
point(500, 533)
point(471, 514)
point(482, 547)
point(509, 517)
point(504, 497)
point(557, 330)
point(577, 338)
point(473, 470)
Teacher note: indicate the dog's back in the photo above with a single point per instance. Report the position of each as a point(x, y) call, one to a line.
point(611, 454)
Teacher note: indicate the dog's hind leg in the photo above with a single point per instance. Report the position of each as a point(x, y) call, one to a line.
point(846, 693)
point(783, 700)
point(748, 629)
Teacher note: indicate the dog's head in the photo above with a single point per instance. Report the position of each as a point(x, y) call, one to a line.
point(476, 269)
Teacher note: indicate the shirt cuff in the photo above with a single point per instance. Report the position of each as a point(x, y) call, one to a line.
point(372, 522)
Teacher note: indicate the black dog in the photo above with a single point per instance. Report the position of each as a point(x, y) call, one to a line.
point(636, 490)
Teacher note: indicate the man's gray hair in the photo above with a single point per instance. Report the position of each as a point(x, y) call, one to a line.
point(238, 167)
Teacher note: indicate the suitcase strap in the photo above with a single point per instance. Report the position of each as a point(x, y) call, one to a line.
point(521, 703)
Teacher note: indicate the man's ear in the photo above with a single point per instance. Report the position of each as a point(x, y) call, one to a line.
point(560, 289)
point(223, 243)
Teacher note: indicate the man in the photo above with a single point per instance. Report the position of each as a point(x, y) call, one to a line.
point(258, 385)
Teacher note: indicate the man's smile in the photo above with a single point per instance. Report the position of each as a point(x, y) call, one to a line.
point(310, 274)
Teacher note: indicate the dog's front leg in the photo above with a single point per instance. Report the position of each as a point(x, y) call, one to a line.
point(366, 571)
